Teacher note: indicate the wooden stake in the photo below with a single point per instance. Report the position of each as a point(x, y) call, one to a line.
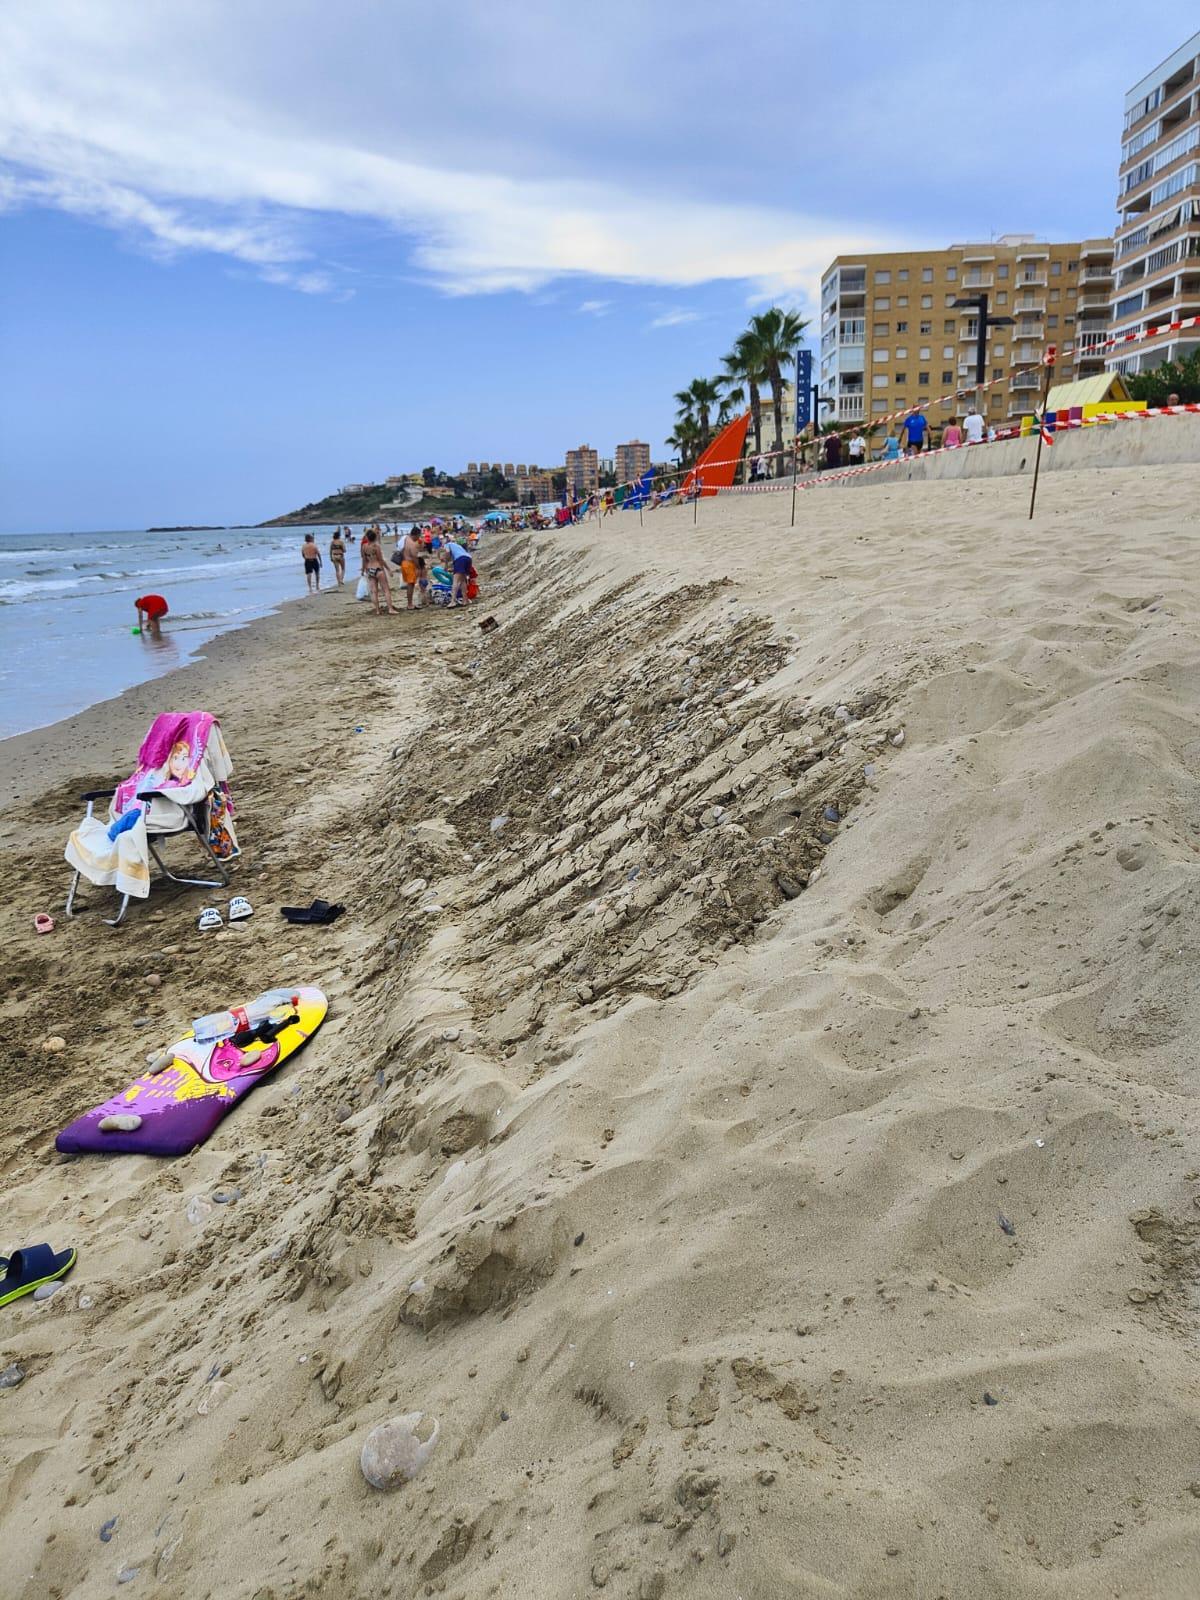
point(1037, 460)
point(795, 471)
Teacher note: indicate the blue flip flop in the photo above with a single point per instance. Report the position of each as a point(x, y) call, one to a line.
point(29, 1269)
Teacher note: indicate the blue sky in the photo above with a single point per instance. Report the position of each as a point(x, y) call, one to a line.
point(251, 252)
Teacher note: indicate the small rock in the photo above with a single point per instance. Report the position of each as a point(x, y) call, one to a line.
point(53, 1044)
point(413, 887)
point(451, 1034)
point(343, 1112)
point(127, 1574)
point(107, 1530)
point(226, 1197)
point(522, 1355)
point(497, 823)
point(153, 980)
point(989, 1399)
point(831, 814)
point(599, 1574)
point(1138, 1296)
point(579, 1238)
point(789, 888)
point(898, 738)
point(395, 1451)
point(432, 909)
point(1005, 1225)
point(842, 714)
point(12, 1377)
point(46, 1291)
point(868, 769)
point(725, 1543)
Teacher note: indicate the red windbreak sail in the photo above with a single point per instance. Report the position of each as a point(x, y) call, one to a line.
point(718, 465)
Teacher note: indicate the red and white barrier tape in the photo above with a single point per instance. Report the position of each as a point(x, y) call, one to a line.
point(1153, 332)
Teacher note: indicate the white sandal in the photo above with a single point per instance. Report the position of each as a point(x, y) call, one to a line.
point(210, 917)
point(240, 908)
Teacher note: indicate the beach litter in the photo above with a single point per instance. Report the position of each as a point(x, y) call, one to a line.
point(107, 1530)
point(395, 1451)
point(12, 1377)
point(1005, 1225)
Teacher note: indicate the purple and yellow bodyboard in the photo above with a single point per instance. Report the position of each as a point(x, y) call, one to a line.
point(181, 1103)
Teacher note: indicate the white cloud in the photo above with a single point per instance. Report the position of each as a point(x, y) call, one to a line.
point(673, 317)
point(595, 308)
point(151, 121)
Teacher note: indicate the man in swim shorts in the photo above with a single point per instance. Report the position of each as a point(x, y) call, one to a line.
point(410, 557)
point(312, 564)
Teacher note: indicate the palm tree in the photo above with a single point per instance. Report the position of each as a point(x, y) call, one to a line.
point(697, 401)
point(685, 441)
point(777, 333)
point(744, 373)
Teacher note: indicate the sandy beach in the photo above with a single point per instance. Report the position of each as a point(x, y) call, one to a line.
point(756, 1115)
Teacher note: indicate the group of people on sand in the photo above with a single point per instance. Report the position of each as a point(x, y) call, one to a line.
point(420, 556)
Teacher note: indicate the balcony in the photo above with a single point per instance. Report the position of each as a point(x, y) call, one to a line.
point(1027, 380)
point(1030, 308)
point(1097, 274)
point(1033, 252)
point(851, 407)
point(854, 283)
point(978, 280)
point(852, 332)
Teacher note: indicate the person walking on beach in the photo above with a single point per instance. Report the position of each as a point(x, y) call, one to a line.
point(857, 448)
point(312, 564)
point(375, 571)
point(337, 556)
point(973, 427)
point(833, 451)
point(952, 435)
point(410, 564)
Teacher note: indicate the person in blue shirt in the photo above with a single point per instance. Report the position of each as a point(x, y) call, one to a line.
point(891, 448)
point(916, 426)
point(462, 571)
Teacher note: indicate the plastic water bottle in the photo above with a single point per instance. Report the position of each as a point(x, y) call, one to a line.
point(223, 1024)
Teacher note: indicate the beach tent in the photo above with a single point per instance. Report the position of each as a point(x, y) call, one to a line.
point(1092, 397)
point(638, 493)
point(718, 466)
point(495, 516)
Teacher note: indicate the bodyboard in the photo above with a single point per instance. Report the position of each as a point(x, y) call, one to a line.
point(182, 1102)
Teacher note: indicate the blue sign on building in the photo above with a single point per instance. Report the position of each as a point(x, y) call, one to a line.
point(803, 389)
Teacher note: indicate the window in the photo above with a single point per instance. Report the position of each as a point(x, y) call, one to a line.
point(879, 380)
point(947, 352)
point(951, 274)
point(883, 277)
point(1052, 322)
point(1070, 321)
point(924, 352)
point(900, 377)
point(1054, 297)
point(1002, 270)
point(997, 348)
point(923, 379)
point(997, 372)
point(927, 327)
point(947, 377)
point(948, 325)
point(878, 405)
point(902, 327)
point(880, 330)
point(902, 300)
point(1002, 298)
point(926, 274)
point(926, 302)
point(883, 305)
point(1072, 266)
point(1056, 269)
point(879, 355)
point(950, 299)
point(901, 352)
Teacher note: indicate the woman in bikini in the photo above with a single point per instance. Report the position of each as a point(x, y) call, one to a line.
point(375, 571)
point(337, 556)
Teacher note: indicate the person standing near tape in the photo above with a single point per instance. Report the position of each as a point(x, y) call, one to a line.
point(916, 426)
point(973, 427)
point(858, 449)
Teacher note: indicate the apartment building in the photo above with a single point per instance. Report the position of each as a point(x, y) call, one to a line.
point(1157, 246)
point(892, 337)
point(631, 460)
point(583, 471)
point(535, 485)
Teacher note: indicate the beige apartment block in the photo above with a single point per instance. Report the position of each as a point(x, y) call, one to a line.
point(1157, 246)
point(631, 460)
point(892, 337)
point(583, 470)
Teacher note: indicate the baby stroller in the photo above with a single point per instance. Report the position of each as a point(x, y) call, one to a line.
point(179, 786)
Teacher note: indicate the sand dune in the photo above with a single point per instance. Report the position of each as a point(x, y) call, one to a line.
point(775, 1164)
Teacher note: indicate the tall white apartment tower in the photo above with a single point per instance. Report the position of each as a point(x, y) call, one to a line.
point(1156, 251)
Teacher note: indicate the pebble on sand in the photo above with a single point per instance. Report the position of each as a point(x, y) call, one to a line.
point(53, 1044)
point(395, 1451)
point(12, 1377)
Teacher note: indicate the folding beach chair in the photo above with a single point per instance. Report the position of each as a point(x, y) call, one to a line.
point(178, 787)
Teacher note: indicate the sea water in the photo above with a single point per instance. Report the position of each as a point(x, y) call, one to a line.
point(66, 607)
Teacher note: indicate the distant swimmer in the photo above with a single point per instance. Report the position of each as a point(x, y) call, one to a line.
point(151, 609)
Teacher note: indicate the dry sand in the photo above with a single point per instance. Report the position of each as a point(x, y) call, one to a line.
point(707, 1198)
